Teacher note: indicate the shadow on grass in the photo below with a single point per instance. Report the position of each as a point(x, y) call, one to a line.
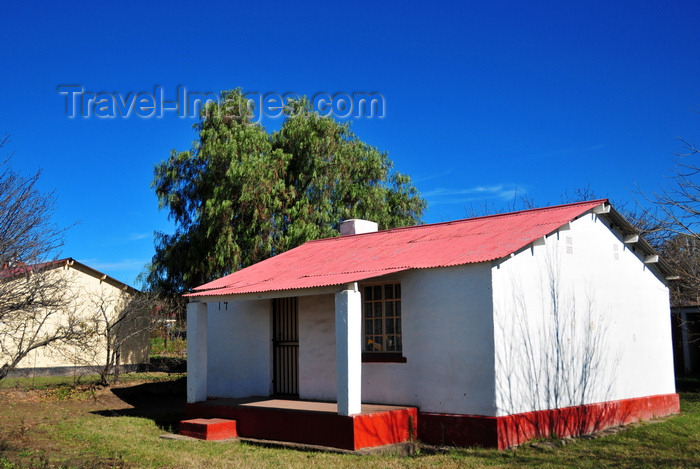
point(167, 364)
point(688, 383)
point(162, 402)
point(6, 446)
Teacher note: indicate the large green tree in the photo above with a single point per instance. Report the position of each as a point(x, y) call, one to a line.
point(241, 194)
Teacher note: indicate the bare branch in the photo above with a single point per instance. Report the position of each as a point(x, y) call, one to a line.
point(34, 303)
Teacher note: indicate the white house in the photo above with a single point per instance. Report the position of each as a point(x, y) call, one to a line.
point(486, 331)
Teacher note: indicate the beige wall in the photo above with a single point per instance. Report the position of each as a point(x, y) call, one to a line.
point(94, 301)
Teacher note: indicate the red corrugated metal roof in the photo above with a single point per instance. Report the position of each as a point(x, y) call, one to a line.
point(14, 271)
point(336, 261)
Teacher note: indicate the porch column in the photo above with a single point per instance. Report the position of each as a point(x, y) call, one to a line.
point(348, 347)
point(196, 352)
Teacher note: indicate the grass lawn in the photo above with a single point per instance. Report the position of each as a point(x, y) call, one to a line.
point(176, 347)
point(59, 424)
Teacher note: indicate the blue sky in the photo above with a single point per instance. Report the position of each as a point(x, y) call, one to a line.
point(484, 101)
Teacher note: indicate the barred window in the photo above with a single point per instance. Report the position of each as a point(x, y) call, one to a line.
point(382, 318)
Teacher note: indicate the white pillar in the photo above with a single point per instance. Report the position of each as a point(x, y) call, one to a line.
point(348, 346)
point(196, 352)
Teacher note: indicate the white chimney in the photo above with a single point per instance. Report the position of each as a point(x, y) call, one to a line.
point(357, 226)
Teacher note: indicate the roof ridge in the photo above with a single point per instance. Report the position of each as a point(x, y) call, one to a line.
point(462, 220)
point(52, 264)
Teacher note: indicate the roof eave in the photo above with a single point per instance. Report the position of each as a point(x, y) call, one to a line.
point(650, 256)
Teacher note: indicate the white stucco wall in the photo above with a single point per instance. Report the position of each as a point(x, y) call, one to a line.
point(447, 342)
point(317, 355)
point(621, 310)
point(239, 349)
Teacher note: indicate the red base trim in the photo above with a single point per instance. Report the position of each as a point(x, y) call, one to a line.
point(209, 429)
point(397, 426)
point(315, 428)
point(511, 430)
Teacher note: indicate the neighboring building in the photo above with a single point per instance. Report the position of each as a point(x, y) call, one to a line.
point(686, 338)
point(92, 298)
point(490, 330)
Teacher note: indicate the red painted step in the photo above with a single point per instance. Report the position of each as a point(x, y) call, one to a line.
point(209, 429)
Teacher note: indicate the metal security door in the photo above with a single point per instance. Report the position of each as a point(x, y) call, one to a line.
point(285, 339)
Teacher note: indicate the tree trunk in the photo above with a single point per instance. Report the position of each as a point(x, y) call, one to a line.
point(117, 359)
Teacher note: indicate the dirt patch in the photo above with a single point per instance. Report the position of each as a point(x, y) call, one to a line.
point(28, 416)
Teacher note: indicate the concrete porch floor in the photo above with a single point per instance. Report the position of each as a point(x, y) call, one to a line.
point(296, 404)
point(311, 422)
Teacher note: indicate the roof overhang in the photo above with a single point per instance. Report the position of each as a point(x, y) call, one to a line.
point(319, 285)
point(631, 238)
